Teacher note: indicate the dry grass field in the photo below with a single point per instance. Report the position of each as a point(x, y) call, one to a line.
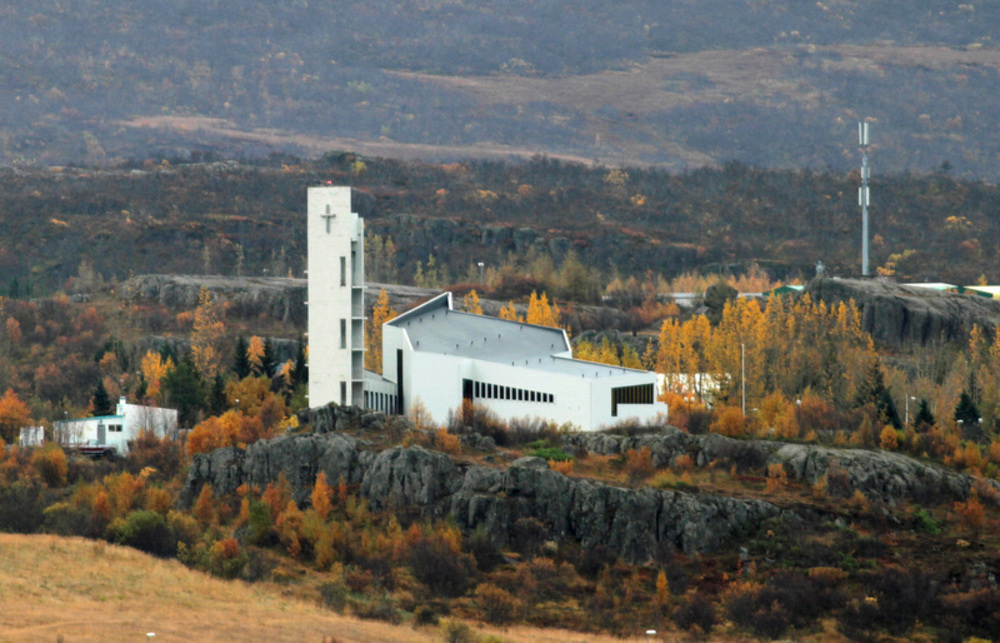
point(72, 589)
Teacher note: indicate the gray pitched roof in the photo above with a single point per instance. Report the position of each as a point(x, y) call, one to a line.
point(435, 328)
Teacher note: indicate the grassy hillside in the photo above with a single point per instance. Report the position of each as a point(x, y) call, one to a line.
point(774, 83)
point(85, 590)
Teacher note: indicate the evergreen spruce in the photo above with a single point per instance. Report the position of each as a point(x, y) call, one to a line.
point(102, 401)
point(217, 402)
point(966, 410)
point(184, 391)
point(269, 361)
point(924, 418)
point(241, 363)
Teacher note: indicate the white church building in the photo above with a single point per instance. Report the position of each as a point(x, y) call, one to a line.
point(439, 357)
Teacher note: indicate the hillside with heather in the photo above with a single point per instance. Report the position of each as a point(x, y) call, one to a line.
point(680, 85)
point(541, 224)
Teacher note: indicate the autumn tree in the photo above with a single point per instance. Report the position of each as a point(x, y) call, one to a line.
point(154, 367)
point(255, 355)
point(541, 313)
point(322, 496)
point(509, 313)
point(14, 414)
point(470, 303)
point(381, 313)
point(207, 335)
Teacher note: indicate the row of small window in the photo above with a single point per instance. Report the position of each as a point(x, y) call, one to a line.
point(115, 428)
point(485, 391)
point(383, 402)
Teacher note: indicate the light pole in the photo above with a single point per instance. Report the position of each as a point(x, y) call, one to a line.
point(908, 398)
point(863, 195)
point(482, 272)
point(743, 377)
point(650, 633)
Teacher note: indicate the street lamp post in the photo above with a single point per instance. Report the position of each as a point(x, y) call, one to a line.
point(650, 633)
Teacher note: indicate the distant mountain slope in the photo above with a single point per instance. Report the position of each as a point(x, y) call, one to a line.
point(680, 84)
point(233, 219)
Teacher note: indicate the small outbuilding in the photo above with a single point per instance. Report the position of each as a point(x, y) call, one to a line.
point(107, 434)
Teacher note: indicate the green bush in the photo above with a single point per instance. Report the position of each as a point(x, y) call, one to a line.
point(551, 453)
point(925, 523)
point(145, 530)
point(334, 596)
point(425, 615)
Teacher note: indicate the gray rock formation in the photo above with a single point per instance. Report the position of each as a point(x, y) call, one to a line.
point(898, 315)
point(881, 475)
point(278, 297)
point(633, 523)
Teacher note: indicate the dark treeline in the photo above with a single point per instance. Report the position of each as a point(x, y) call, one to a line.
point(229, 218)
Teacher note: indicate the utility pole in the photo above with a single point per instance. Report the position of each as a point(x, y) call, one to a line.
point(863, 194)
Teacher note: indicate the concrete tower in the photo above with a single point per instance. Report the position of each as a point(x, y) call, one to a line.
point(336, 277)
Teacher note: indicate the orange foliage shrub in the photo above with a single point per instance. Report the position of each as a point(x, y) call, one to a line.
point(858, 502)
point(684, 462)
point(446, 442)
point(994, 453)
point(204, 507)
point(123, 492)
point(289, 528)
point(971, 513)
point(777, 477)
point(232, 428)
point(159, 500)
point(50, 463)
point(226, 549)
point(889, 440)
point(322, 496)
point(564, 467)
point(277, 496)
point(639, 464)
point(728, 421)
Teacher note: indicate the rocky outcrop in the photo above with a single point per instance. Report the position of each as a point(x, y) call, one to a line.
point(882, 475)
point(898, 315)
point(633, 523)
point(277, 297)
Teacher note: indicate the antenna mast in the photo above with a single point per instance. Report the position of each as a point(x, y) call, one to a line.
point(863, 195)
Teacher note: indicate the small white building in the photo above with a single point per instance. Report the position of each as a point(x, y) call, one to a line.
point(114, 432)
point(441, 357)
point(31, 436)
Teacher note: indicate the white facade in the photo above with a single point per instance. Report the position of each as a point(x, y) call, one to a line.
point(116, 431)
point(31, 436)
point(440, 357)
point(336, 298)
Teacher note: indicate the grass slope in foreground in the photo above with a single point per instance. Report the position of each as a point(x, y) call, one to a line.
point(83, 590)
